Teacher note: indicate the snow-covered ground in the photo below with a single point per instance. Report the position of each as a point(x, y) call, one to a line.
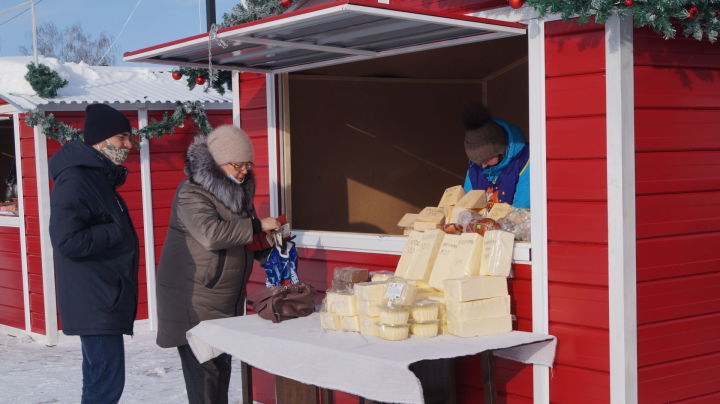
point(32, 373)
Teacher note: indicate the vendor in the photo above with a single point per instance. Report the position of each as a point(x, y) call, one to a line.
point(499, 158)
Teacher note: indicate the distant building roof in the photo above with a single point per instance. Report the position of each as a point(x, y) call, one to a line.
point(105, 84)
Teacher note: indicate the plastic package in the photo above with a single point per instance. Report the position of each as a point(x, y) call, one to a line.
point(340, 302)
point(394, 315)
point(330, 321)
point(497, 253)
point(424, 310)
point(452, 228)
point(480, 226)
point(465, 217)
point(381, 276)
point(369, 308)
point(350, 274)
point(342, 285)
point(369, 326)
point(350, 323)
point(425, 329)
point(400, 292)
point(394, 332)
point(518, 223)
point(371, 290)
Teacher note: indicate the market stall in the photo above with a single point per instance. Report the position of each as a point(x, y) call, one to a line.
point(607, 271)
point(27, 286)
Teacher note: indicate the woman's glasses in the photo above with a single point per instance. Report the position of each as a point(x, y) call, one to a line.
point(243, 166)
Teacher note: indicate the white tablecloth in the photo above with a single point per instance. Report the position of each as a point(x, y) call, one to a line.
point(357, 364)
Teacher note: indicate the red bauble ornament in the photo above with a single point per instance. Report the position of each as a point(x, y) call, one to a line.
point(199, 80)
point(286, 3)
point(516, 3)
point(629, 3)
point(692, 12)
point(176, 75)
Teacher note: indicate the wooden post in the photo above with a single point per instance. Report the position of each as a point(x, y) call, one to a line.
point(246, 377)
point(488, 376)
point(289, 391)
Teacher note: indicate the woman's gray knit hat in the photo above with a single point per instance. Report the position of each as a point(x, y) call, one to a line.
point(229, 144)
point(484, 139)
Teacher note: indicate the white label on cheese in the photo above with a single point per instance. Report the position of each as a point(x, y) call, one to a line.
point(394, 291)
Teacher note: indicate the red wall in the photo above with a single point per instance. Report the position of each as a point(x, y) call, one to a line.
point(12, 311)
point(577, 211)
point(677, 143)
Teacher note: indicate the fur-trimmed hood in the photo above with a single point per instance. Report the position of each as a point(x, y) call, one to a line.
point(202, 170)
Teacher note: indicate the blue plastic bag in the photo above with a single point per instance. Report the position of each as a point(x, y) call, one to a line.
point(281, 267)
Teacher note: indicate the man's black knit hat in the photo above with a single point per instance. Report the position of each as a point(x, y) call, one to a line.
point(103, 121)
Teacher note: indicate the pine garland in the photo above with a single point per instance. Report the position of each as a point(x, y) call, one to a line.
point(698, 18)
point(63, 133)
point(224, 78)
point(44, 80)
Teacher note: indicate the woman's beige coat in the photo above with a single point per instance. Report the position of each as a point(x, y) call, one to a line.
point(204, 265)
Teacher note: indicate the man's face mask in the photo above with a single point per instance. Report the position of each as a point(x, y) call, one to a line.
point(116, 154)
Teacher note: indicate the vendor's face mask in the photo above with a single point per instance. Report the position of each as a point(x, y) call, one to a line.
point(116, 154)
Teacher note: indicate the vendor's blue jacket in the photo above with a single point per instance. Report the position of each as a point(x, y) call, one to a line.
point(94, 243)
point(508, 181)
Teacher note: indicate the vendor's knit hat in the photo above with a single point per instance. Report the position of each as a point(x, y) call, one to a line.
point(484, 138)
point(103, 121)
point(229, 144)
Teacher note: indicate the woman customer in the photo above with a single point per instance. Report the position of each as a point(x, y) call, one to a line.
point(204, 265)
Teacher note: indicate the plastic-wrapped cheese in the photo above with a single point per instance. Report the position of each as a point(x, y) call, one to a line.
point(424, 258)
point(443, 266)
point(451, 196)
point(400, 292)
point(475, 199)
point(369, 326)
point(394, 315)
point(467, 258)
point(480, 326)
point(394, 332)
point(350, 274)
point(330, 321)
point(499, 211)
point(483, 308)
point(370, 290)
point(424, 310)
point(497, 253)
point(411, 248)
point(431, 214)
point(350, 323)
point(478, 287)
point(369, 308)
point(425, 329)
point(342, 303)
point(380, 276)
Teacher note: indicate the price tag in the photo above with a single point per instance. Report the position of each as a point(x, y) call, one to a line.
point(394, 291)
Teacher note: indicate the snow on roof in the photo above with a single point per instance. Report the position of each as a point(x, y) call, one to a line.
point(106, 84)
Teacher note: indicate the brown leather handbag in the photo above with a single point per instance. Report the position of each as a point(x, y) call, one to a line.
point(284, 302)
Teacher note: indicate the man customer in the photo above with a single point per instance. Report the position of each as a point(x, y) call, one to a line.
point(95, 249)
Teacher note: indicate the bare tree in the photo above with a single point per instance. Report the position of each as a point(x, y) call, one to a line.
point(72, 45)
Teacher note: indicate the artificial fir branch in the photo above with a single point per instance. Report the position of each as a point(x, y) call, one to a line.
point(44, 80)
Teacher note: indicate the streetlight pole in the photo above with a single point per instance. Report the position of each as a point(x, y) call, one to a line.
point(34, 31)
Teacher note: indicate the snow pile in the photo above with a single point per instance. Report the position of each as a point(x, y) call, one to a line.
point(34, 373)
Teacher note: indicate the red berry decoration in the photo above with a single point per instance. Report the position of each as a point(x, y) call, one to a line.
point(176, 75)
point(692, 12)
point(199, 80)
point(516, 3)
point(286, 3)
point(629, 3)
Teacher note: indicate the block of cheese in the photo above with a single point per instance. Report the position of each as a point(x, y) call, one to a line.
point(425, 329)
point(483, 308)
point(411, 247)
point(442, 269)
point(475, 199)
point(342, 303)
point(394, 332)
point(370, 290)
point(451, 196)
point(369, 308)
point(351, 274)
point(342, 285)
point(497, 253)
point(351, 323)
point(424, 310)
point(424, 226)
point(394, 315)
point(499, 211)
point(424, 259)
point(478, 287)
point(381, 276)
point(330, 321)
point(480, 326)
point(468, 256)
point(407, 220)
point(454, 213)
point(431, 214)
point(369, 326)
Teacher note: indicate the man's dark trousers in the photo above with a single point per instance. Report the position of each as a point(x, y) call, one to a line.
point(103, 368)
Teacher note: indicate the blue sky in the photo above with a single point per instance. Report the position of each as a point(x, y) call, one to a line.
point(154, 21)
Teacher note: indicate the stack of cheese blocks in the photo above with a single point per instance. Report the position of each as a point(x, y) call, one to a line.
point(340, 311)
point(369, 297)
point(453, 201)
